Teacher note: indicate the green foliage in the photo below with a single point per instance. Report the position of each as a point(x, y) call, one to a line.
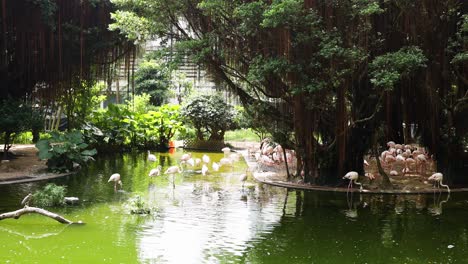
point(140, 103)
point(386, 70)
point(133, 27)
point(183, 86)
point(50, 195)
point(210, 115)
point(154, 79)
point(134, 125)
point(63, 151)
point(136, 205)
point(17, 117)
point(460, 42)
point(79, 105)
point(250, 16)
point(48, 9)
point(283, 12)
point(160, 126)
point(366, 7)
point(244, 134)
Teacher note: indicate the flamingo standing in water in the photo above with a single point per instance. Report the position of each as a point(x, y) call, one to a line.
point(173, 170)
point(226, 151)
point(155, 172)
point(116, 179)
point(215, 166)
point(243, 178)
point(206, 158)
point(185, 157)
point(437, 178)
point(151, 157)
point(204, 169)
point(352, 176)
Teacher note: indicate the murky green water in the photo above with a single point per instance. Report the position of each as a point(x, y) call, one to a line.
point(211, 219)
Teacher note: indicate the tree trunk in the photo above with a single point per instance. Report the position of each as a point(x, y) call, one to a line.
point(386, 184)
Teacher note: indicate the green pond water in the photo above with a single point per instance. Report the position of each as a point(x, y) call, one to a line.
point(212, 219)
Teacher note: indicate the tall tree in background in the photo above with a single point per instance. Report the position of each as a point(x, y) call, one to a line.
point(53, 51)
point(331, 72)
point(154, 79)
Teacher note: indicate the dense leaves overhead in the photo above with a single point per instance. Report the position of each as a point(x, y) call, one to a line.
point(48, 45)
point(334, 72)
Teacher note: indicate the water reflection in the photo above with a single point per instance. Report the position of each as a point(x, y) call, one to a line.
point(436, 208)
point(212, 219)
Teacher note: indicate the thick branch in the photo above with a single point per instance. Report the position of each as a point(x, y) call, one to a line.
point(28, 210)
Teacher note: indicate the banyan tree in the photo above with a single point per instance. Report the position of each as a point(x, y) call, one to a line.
point(330, 78)
point(54, 50)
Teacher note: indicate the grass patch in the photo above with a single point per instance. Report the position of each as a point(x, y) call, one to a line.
point(241, 135)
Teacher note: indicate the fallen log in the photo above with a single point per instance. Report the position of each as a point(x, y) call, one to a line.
point(28, 210)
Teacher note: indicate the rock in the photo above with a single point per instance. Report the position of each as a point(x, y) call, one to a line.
point(71, 200)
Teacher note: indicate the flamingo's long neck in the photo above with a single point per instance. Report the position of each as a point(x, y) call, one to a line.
point(444, 185)
point(358, 183)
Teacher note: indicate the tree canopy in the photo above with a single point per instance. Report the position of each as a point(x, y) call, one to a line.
point(332, 72)
point(50, 47)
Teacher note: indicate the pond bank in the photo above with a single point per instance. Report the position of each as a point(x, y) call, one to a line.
point(280, 180)
point(26, 167)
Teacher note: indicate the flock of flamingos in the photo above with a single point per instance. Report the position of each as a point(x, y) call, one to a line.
point(407, 158)
point(185, 161)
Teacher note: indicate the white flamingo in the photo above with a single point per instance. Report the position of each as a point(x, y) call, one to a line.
point(437, 178)
point(173, 170)
point(215, 166)
point(155, 172)
point(243, 178)
point(204, 169)
point(185, 157)
point(352, 176)
point(191, 162)
point(206, 158)
point(225, 161)
point(116, 179)
point(226, 151)
point(421, 163)
point(151, 157)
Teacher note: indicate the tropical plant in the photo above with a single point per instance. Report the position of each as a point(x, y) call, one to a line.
point(134, 125)
point(50, 195)
point(80, 101)
point(210, 115)
point(64, 152)
point(154, 79)
point(158, 127)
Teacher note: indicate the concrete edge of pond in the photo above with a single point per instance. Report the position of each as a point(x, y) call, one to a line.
point(309, 187)
point(34, 178)
point(263, 178)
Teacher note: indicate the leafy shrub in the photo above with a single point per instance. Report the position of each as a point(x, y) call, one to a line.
point(125, 127)
point(64, 151)
point(154, 79)
point(136, 205)
point(210, 115)
point(51, 195)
